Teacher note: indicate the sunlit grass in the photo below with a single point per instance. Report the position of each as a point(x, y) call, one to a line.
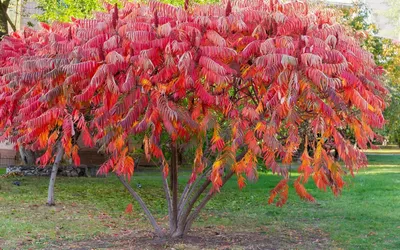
point(382, 151)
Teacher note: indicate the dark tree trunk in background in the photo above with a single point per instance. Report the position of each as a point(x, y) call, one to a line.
point(4, 18)
point(27, 156)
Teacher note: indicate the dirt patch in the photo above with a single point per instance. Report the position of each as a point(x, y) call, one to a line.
point(208, 238)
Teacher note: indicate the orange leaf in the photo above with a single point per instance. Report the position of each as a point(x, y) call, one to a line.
point(302, 192)
point(129, 208)
point(75, 155)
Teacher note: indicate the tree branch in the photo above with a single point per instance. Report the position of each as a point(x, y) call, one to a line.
point(174, 185)
point(184, 216)
point(149, 215)
point(166, 191)
point(188, 191)
point(202, 204)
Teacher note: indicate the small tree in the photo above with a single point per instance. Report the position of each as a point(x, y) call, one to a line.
point(224, 79)
point(37, 113)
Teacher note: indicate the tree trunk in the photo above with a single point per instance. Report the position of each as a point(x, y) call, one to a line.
point(186, 215)
point(27, 156)
point(4, 18)
point(182, 215)
point(174, 186)
point(146, 210)
point(54, 170)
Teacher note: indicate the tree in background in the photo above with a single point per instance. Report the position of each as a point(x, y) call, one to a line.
point(393, 13)
point(5, 20)
point(222, 79)
point(386, 54)
point(36, 115)
point(65, 9)
point(391, 63)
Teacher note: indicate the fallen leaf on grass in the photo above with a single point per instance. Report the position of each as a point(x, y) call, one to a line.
point(128, 209)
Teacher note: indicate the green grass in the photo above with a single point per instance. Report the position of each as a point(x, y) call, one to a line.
point(382, 151)
point(365, 216)
point(389, 149)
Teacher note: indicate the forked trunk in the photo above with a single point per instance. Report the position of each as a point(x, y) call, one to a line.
point(181, 214)
point(187, 214)
point(54, 170)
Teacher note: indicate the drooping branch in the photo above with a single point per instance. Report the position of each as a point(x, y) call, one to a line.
point(146, 210)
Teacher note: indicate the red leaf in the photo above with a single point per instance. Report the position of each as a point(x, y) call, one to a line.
point(75, 156)
point(129, 208)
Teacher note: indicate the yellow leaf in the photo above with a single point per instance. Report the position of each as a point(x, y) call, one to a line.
point(371, 108)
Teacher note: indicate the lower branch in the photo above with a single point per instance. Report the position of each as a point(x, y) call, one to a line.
point(188, 192)
point(202, 204)
point(184, 220)
point(149, 215)
point(167, 194)
point(174, 186)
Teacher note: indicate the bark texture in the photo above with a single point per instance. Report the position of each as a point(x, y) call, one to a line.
point(50, 194)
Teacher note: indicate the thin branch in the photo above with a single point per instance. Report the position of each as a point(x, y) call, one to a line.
point(166, 191)
point(188, 192)
point(174, 185)
point(202, 204)
point(149, 215)
point(185, 217)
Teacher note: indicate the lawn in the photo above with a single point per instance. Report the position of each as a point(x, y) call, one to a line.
point(91, 210)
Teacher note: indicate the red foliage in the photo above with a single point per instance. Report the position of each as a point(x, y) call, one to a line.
point(242, 70)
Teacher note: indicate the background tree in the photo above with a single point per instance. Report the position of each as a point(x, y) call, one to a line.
point(386, 54)
point(4, 18)
point(393, 14)
point(391, 63)
point(39, 116)
point(65, 9)
point(223, 79)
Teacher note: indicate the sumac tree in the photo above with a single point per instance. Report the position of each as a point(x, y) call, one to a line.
point(225, 79)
